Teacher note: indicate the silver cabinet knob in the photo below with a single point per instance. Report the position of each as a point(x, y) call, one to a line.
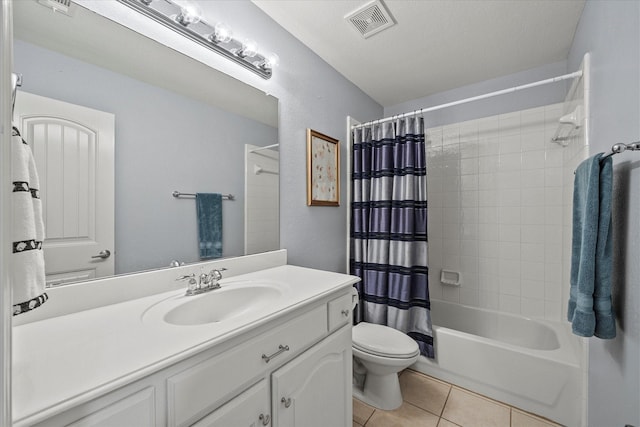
point(265, 419)
point(103, 254)
point(287, 402)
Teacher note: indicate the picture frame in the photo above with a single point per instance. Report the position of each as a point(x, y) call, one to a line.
point(323, 169)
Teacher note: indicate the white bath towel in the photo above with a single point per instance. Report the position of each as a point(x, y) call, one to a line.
point(28, 277)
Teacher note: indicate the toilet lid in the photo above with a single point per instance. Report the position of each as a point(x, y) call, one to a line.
point(383, 341)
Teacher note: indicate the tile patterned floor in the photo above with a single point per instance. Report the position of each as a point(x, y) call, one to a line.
point(429, 402)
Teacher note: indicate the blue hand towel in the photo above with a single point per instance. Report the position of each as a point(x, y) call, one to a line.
point(209, 211)
point(590, 309)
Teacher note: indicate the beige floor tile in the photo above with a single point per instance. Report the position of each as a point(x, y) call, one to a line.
point(361, 412)
point(406, 415)
point(355, 424)
point(522, 419)
point(423, 391)
point(471, 410)
point(446, 423)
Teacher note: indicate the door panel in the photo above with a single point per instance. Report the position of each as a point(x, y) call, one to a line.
point(314, 389)
point(74, 151)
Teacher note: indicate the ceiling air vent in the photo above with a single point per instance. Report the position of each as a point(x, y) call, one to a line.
point(371, 18)
point(62, 6)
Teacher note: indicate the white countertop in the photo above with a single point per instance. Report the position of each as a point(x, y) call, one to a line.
point(67, 360)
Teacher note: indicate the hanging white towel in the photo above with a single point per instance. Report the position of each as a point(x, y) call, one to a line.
point(28, 276)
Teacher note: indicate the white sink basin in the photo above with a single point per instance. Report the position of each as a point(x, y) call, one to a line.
point(222, 304)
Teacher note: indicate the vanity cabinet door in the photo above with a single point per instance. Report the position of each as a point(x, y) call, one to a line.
point(314, 389)
point(249, 409)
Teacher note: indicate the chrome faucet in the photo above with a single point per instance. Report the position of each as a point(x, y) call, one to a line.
point(207, 282)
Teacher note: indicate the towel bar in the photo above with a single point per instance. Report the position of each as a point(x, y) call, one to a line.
point(619, 148)
point(179, 194)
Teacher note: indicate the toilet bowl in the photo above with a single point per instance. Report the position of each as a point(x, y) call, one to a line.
point(383, 352)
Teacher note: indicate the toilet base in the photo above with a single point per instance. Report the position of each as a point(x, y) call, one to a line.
point(380, 391)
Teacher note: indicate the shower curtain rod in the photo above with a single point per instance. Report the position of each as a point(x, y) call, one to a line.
point(474, 98)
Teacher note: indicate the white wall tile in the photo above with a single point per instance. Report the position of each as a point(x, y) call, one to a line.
point(533, 215)
point(553, 310)
point(509, 286)
point(489, 300)
point(533, 271)
point(509, 180)
point(532, 141)
point(509, 251)
point(509, 233)
point(509, 143)
point(469, 297)
point(532, 252)
point(532, 178)
point(509, 303)
point(510, 162)
point(469, 166)
point(533, 160)
point(533, 289)
point(534, 308)
point(499, 201)
point(451, 293)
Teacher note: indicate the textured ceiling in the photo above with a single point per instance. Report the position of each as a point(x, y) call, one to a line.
point(436, 45)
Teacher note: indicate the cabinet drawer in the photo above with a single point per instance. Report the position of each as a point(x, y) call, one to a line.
point(251, 408)
point(340, 312)
point(137, 409)
point(203, 387)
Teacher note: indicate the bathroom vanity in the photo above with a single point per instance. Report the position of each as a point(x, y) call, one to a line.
point(271, 347)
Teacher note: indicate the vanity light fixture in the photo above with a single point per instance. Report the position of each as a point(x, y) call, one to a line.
point(184, 18)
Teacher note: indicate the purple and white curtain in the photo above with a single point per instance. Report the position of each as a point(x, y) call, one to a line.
point(389, 228)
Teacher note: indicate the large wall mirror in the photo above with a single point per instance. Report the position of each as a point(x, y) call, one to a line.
point(178, 125)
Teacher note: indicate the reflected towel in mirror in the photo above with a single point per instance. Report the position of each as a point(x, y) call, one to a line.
point(27, 272)
point(209, 211)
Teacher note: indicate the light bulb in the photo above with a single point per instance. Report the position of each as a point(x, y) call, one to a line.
point(189, 14)
point(221, 34)
point(270, 61)
point(249, 49)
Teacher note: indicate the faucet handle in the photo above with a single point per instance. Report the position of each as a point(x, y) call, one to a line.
point(192, 282)
point(215, 275)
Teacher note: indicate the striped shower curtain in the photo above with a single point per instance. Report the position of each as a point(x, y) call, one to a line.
point(389, 228)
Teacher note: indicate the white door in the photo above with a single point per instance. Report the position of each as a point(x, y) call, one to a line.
point(74, 151)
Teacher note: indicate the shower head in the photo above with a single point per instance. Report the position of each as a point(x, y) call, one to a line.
point(574, 118)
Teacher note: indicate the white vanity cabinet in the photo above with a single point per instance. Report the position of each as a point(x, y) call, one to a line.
point(308, 391)
point(311, 389)
point(294, 370)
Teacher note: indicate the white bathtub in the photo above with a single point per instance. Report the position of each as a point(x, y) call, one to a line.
point(533, 365)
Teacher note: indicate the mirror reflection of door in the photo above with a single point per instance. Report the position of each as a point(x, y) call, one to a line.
point(74, 151)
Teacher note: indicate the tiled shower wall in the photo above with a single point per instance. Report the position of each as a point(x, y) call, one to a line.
point(262, 200)
point(495, 191)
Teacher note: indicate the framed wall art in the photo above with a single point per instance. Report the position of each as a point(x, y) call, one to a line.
point(323, 170)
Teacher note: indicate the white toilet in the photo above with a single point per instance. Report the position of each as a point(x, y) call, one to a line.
point(382, 352)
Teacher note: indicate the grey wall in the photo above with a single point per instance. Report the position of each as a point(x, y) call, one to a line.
point(528, 98)
point(610, 30)
point(164, 142)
